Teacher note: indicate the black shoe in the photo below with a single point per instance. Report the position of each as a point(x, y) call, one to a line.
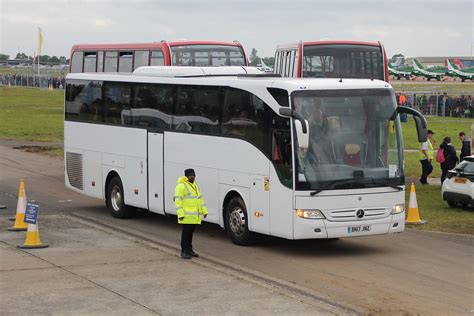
point(193, 254)
point(185, 255)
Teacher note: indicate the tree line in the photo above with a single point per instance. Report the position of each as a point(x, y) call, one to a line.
point(44, 59)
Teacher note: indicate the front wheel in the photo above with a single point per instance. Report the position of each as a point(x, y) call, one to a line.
point(115, 199)
point(237, 223)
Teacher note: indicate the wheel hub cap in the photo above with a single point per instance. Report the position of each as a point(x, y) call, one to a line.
point(237, 221)
point(116, 198)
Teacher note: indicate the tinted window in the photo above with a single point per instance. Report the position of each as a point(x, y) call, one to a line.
point(117, 102)
point(125, 61)
point(197, 109)
point(100, 61)
point(245, 115)
point(153, 106)
point(141, 58)
point(90, 61)
point(157, 58)
point(110, 62)
point(343, 61)
point(76, 63)
point(84, 101)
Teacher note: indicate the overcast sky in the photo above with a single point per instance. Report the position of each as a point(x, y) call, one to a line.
point(410, 27)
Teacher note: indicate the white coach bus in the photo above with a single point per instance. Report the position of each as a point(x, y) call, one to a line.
point(293, 158)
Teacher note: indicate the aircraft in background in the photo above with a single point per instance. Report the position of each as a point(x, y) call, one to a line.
point(400, 71)
point(464, 73)
point(436, 72)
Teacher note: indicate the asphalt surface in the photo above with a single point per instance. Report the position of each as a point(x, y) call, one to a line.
point(410, 273)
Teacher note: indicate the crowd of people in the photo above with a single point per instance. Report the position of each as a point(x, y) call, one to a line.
point(42, 81)
point(445, 155)
point(438, 104)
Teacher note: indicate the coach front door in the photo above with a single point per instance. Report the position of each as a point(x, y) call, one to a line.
point(259, 212)
point(155, 173)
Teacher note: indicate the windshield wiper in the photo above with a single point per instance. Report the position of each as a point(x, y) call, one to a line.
point(343, 181)
point(331, 183)
point(385, 184)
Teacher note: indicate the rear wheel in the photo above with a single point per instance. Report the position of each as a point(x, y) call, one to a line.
point(237, 223)
point(115, 199)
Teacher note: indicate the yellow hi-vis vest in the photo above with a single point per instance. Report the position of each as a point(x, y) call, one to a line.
point(189, 203)
point(430, 151)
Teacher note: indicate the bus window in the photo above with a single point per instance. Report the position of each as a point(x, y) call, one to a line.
point(117, 99)
point(152, 107)
point(219, 58)
point(76, 64)
point(141, 58)
point(100, 61)
point(125, 61)
point(84, 101)
point(90, 59)
point(343, 61)
point(236, 58)
point(110, 62)
point(201, 59)
point(197, 109)
point(245, 116)
point(157, 58)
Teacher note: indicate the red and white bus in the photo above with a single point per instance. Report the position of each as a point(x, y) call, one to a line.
point(128, 57)
point(332, 59)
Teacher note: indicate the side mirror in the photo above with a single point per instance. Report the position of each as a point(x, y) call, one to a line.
point(286, 112)
point(301, 134)
point(420, 121)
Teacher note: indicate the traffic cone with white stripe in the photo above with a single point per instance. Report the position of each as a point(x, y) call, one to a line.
point(20, 224)
point(413, 213)
point(32, 240)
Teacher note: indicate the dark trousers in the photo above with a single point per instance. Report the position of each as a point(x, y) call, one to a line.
point(187, 237)
point(444, 174)
point(427, 168)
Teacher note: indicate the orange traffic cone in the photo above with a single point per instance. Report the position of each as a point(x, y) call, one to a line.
point(413, 213)
point(32, 240)
point(20, 224)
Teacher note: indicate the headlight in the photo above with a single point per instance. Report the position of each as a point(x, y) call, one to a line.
point(398, 208)
point(310, 214)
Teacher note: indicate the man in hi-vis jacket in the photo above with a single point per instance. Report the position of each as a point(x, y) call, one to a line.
point(190, 209)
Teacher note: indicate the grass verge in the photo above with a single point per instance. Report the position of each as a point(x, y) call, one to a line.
point(449, 126)
point(31, 114)
point(437, 213)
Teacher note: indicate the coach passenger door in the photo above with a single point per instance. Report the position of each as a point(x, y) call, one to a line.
point(259, 213)
point(155, 173)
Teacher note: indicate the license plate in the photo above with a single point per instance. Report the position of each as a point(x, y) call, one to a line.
point(460, 180)
point(358, 229)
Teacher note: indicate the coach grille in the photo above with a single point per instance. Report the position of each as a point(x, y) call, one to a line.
point(351, 214)
point(74, 169)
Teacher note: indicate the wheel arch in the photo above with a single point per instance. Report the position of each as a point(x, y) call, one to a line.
point(230, 194)
point(110, 175)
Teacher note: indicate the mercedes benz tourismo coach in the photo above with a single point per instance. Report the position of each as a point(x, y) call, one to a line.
point(294, 158)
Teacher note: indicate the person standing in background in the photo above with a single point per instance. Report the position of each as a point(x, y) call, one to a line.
point(466, 145)
point(426, 157)
point(450, 157)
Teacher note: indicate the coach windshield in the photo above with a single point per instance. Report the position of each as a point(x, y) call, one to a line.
point(352, 141)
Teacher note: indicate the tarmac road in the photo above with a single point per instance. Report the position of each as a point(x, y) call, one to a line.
point(413, 273)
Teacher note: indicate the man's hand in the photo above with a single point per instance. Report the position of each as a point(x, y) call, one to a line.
point(205, 215)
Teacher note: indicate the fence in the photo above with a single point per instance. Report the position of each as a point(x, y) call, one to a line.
point(41, 81)
point(439, 103)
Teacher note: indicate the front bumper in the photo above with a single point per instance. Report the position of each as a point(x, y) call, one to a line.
point(457, 197)
point(322, 228)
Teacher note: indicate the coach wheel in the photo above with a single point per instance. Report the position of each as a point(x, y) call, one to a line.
point(237, 223)
point(115, 199)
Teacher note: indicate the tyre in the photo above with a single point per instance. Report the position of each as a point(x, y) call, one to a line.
point(456, 204)
point(115, 199)
point(236, 223)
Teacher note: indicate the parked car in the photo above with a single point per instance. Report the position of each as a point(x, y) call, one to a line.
point(458, 188)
